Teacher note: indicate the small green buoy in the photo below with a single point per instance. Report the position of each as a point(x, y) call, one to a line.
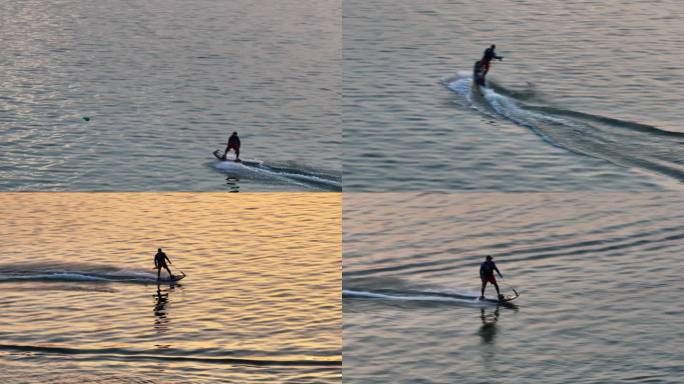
point(86, 118)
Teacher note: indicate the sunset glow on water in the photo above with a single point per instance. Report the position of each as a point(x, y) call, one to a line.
point(261, 300)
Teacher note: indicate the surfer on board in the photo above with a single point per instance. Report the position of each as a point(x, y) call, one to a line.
point(234, 144)
point(487, 57)
point(160, 260)
point(487, 269)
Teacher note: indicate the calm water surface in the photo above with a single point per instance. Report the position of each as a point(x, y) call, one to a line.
point(588, 97)
point(260, 303)
point(599, 279)
point(165, 83)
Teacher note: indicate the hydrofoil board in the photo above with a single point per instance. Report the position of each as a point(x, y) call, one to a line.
point(216, 153)
point(505, 299)
point(174, 279)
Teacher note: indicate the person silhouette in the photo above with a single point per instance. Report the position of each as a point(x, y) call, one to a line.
point(234, 144)
point(160, 260)
point(487, 269)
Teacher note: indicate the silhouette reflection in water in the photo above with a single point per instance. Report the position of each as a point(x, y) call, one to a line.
point(161, 300)
point(488, 329)
point(233, 183)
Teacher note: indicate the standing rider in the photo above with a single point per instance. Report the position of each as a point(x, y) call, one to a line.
point(487, 269)
point(489, 54)
point(160, 260)
point(234, 144)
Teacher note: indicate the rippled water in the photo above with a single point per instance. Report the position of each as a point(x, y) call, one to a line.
point(260, 303)
point(599, 278)
point(165, 83)
point(588, 96)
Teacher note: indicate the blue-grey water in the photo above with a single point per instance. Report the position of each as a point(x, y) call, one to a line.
point(588, 97)
point(80, 303)
point(164, 83)
point(599, 277)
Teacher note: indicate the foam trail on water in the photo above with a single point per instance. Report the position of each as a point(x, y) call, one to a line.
point(416, 297)
point(257, 169)
point(74, 273)
point(623, 143)
point(53, 276)
point(501, 105)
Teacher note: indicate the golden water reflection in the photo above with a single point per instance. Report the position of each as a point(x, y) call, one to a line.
point(263, 273)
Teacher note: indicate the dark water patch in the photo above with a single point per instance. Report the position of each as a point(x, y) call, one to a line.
point(526, 94)
point(512, 253)
point(576, 250)
point(33, 286)
point(186, 356)
point(611, 121)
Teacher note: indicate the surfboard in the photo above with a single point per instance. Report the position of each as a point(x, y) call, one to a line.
point(506, 299)
point(216, 153)
point(175, 278)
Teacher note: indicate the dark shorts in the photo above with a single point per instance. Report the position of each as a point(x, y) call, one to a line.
point(162, 265)
point(489, 279)
point(233, 146)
